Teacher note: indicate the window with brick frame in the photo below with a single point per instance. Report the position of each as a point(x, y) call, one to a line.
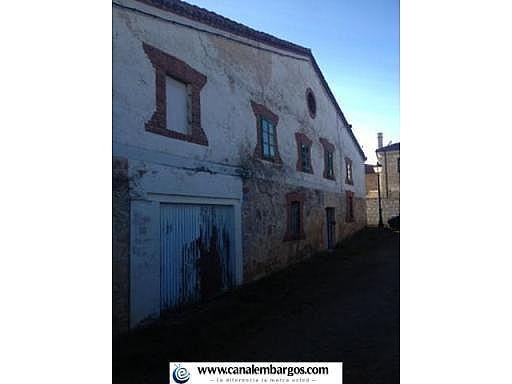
point(348, 171)
point(328, 159)
point(350, 206)
point(266, 131)
point(303, 153)
point(177, 94)
point(295, 217)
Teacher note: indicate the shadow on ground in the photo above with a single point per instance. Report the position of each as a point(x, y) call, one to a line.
point(339, 306)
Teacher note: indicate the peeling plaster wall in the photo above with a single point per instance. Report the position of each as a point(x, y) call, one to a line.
point(264, 217)
point(120, 245)
point(163, 169)
point(236, 74)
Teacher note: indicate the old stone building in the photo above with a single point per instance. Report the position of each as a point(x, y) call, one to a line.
point(389, 158)
point(232, 158)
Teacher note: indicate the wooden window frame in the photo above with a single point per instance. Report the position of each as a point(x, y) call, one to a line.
point(294, 197)
point(263, 113)
point(302, 139)
point(166, 65)
point(328, 148)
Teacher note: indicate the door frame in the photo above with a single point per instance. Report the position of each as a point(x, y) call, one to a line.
point(331, 240)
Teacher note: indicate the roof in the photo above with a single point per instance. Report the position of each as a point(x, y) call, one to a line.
point(212, 19)
point(389, 148)
point(368, 169)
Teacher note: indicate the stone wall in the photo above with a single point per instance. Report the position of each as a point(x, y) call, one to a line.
point(264, 221)
point(229, 74)
point(390, 208)
point(390, 177)
point(120, 245)
point(372, 184)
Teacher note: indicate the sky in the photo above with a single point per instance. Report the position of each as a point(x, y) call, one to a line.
point(356, 43)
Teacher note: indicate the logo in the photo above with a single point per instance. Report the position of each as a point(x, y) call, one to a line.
point(180, 375)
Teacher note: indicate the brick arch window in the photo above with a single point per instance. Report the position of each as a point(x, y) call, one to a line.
point(178, 104)
point(303, 153)
point(266, 128)
point(295, 217)
point(328, 159)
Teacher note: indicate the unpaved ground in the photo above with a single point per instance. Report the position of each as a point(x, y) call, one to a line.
point(342, 306)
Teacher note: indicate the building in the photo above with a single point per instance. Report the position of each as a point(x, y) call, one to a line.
point(232, 158)
point(389, 158)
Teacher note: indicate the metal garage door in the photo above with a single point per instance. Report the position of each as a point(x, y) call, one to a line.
point(198, 258)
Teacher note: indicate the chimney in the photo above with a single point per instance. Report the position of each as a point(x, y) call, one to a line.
point(379, 139)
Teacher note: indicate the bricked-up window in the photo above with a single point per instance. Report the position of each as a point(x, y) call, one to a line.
point(328, 159)
point(348, 171)
point(177, 96)
point(303, 153)
point(295, 219)
point(350, 206)
point(266, 129)
point(177, 99)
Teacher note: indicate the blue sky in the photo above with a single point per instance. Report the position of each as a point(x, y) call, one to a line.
point(356, 44)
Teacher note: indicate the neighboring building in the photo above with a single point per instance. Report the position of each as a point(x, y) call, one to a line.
point(232, 158)
point(389, 158)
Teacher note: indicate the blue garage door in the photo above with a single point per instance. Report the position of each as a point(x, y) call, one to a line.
point(198, 258)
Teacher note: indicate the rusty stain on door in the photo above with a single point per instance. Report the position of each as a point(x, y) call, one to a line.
point(197, 248)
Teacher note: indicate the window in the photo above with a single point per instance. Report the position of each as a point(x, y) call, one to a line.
point(350, 207)
point(177, 105)
point(303, 153)
point(266, 131)
point(268, 139)
point(295, 218)
point(295, 223)
point(329, 164)
point(311, 103)
point(328, 159)
point(348, 167)
point(398, 165)
point(177, 94)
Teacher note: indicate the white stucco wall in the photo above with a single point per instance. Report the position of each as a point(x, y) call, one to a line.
point(236, 74)
point(163, 169)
